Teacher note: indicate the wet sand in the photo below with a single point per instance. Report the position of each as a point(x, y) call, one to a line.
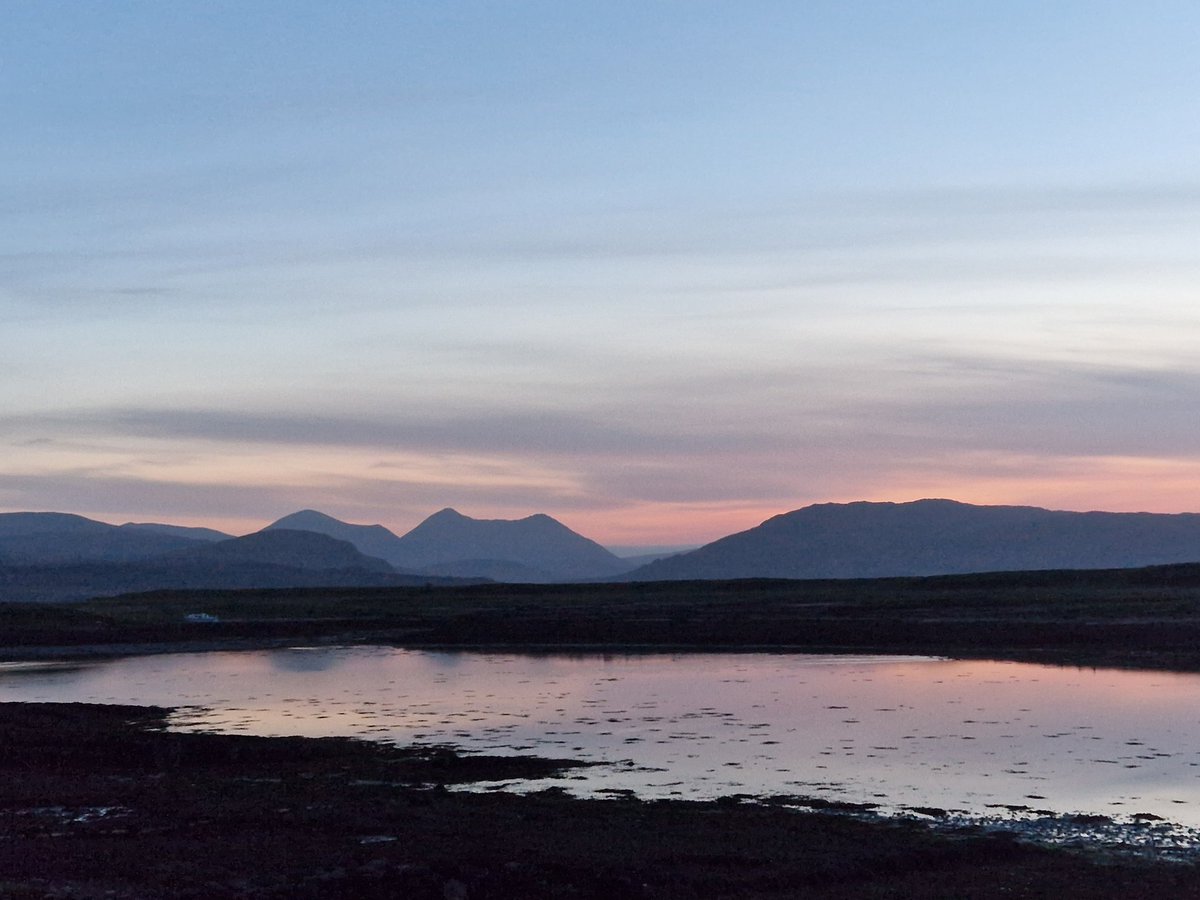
point(96, 801)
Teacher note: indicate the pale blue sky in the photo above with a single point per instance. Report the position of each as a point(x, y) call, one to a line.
point(657, 269)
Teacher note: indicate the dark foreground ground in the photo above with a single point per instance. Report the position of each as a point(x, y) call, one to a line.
point(1135, 617)
point(96, 802)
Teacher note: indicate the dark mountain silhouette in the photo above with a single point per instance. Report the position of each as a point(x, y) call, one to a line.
point(303, 550)
point(34, 538)
point(934, 537)
point(533, 549)
point(502, 570)
point(81, 581)
point(544, 545)
point(373, 540)
point(275, 559)
point(26, 523)
point(183, 531)
point(644, 559)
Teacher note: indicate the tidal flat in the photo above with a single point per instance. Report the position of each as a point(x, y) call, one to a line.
point(1035, 748)
point(101, 801)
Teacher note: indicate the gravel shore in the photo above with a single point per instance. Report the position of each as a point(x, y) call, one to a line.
point(99, 801)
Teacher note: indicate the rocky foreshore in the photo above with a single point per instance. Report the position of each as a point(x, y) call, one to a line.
point(101, 801)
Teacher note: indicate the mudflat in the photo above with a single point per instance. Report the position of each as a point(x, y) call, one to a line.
point(99, 801)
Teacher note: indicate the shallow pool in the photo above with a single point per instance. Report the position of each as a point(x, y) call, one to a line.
point(976, 739)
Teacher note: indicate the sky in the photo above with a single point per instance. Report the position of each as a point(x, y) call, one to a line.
point(658, 269)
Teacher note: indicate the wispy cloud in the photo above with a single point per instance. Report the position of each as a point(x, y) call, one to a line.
point(758, 434)
point(660, 262)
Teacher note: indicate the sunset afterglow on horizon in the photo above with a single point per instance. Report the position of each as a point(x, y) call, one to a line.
point(659, 270)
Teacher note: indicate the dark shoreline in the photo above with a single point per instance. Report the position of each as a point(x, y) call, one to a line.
point(98, 801)
point(1141, 618)
point(1147, 661)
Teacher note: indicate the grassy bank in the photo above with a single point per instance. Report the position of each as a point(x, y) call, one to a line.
point(1144, 617)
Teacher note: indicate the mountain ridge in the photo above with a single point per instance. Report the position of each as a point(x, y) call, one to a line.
point(372, 540)
point(868, 539)
point(536, 548)
point(862, 539)
point(276, 559)
point(539, 542)
point(48, 538)
point(304, 550)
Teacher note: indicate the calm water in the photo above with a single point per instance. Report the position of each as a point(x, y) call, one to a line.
point(976, 738)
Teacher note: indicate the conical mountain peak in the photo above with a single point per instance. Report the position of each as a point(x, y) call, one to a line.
point(538, 542)
point(372, 540)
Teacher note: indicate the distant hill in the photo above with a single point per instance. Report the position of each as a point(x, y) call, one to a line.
point(501, 570)
point(643, 559)
point(934, 537)
point(649, 551)
point(27, 523)
point(373, 540)
point(537, 542)
point(43, 538)
point(183, 531)
point(303, 550)
point(81, 581)
point(534, 549)
point(275, 559)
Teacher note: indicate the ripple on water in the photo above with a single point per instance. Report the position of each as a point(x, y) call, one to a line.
point(900, 733)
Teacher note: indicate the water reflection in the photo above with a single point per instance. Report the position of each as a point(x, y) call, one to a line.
point(976, 738)
point(303, 659)
point(61, 672)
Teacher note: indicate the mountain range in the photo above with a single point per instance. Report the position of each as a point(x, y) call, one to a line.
point(534, 549)
point(54, 556)
point(60, 556)
point(934, 537)
point(35, 538)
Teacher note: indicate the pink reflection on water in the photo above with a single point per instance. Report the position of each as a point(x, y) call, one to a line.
point(970, 736)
